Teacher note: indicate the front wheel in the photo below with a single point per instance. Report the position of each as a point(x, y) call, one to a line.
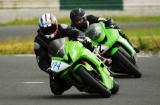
point(92, 82)
point(125, 65)
point(115, 88)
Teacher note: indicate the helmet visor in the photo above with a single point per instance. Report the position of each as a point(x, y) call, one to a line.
point(79, 21)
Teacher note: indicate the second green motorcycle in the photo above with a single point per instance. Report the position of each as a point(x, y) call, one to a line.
point(114, 46)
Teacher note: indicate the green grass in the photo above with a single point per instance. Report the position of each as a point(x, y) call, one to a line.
point(118, 19)
point(147, 38)
point(147, 31)
point(25, 46)
point(136, 18)
point(16, 46)
point(33, 21)
point(147, 44)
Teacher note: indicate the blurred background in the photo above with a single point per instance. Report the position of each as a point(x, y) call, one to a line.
point(138, 19)
point(17, 9)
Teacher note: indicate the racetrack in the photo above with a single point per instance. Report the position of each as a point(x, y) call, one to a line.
point(22, 83)
point(28, 31)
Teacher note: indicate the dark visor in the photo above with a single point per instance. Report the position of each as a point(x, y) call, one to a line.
point(49, 30)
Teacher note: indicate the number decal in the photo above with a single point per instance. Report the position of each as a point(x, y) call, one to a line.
point(58, 66)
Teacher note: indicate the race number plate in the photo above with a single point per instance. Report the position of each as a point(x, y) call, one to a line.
point(58, 66)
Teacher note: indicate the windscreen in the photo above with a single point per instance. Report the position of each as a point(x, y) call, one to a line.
point(56, 47)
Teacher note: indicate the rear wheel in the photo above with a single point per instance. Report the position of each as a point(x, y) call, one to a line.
point(125, 65)
point(92, 82)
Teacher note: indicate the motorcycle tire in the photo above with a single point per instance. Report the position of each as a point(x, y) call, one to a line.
point(115, 88)
point(125, 64)
point(93, 83)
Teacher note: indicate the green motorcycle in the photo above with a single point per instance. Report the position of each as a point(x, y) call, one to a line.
point(114, 46)
point(75, 64)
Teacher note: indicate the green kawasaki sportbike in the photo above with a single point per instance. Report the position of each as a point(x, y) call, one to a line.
point(113, 46)
point(75, 64)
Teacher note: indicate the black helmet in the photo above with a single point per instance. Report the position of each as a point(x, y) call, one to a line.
point(77, 13)
point(78, 16)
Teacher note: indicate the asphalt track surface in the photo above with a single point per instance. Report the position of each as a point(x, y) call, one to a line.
point(9, 32)
point(22, 83)
point(27, 31)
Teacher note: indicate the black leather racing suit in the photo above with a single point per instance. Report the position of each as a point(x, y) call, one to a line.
point(41, 44)
point(57, 85)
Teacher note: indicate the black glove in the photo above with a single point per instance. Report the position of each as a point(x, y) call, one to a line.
point(75, 33)
point(109, 23)
point(72, 37)
point(88, 44)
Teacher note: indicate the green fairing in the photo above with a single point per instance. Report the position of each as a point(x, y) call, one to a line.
point(128, 46)
point(114, 50)
point(112, 37)
point(106, 78)
point(76, 51)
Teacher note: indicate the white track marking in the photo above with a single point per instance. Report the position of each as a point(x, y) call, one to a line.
point(21, 55)
point(144, 55)
point(32, 82)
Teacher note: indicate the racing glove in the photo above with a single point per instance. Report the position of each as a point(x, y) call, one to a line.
point(109, 22)
point(87, 43)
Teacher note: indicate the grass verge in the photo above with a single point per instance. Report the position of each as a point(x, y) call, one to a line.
point(16, 46)
point(142, 32)
point(19, 46)
point(147, 43)
point(147, 39)
point(66, 20)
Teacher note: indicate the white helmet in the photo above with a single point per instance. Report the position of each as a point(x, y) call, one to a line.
point(48, 25)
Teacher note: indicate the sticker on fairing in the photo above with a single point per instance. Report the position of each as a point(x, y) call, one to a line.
point(58, 66)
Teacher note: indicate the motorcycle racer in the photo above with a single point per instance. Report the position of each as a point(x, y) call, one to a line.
point(81, 21)
point(49, 29)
